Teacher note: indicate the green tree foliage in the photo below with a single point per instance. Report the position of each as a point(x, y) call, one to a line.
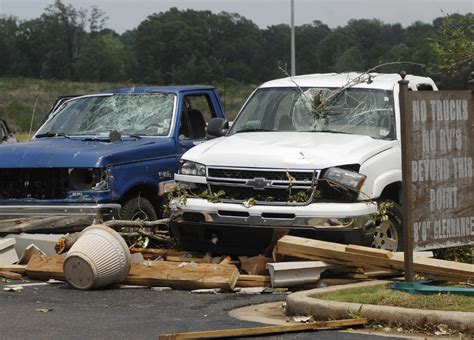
point(454, 48)
point(189, 46)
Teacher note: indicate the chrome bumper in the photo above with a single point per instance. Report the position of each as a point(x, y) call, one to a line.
point(108, 209)
point(327, 216)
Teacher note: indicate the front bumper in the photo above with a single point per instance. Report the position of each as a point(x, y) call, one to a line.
point(327, 216)
point(107, 210)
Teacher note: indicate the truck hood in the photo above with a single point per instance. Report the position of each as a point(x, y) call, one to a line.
point(59, 152)
point(288, 150)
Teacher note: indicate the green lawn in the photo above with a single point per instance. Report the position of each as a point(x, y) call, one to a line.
point(381, 295)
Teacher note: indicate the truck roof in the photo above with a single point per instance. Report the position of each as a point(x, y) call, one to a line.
point(385, 81)
point(168, 89)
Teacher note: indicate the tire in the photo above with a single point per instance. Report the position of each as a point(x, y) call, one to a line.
point(388, 234)
point(138, 208)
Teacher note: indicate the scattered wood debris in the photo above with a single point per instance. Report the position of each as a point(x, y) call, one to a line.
point(151, 273)
point(11, 275)
point(255, 265)
point(369, 257)
point(253, 281)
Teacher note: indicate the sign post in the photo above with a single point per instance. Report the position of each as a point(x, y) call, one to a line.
point(406, 192)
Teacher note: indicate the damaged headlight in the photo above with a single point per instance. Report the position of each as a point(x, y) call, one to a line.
point(349, 179)
point(80, 179)
point(192, 169)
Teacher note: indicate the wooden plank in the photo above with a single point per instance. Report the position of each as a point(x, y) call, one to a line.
point(154, 273)
point(226, 260)
point(183, 259)
point(43, 267)
point(11, 275)
point(385, 254)
point(15, 268)
point(240, 332)
point(161, 252)
point(427, 268)
point(190, 276)
point(336, 253)
point(253, 281)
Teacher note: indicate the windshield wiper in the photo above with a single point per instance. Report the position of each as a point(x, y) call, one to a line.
point(341, 132)
point(134, 136)
point(255, 130)
point(52, 134)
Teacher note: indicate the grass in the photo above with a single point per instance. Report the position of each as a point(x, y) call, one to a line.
point(381, 295)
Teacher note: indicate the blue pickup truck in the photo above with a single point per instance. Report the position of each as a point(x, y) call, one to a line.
point(109, 154)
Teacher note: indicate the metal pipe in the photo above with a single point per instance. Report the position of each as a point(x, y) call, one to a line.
point(293, 63)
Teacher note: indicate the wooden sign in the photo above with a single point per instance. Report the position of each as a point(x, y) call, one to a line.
point(438, 168)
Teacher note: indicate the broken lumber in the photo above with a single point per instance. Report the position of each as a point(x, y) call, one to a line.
point(163, 252)
point(253, 281)
point(15, 268)
point(11, 275)
point(28, 253)
point(339, 253)
point(150, 273)
point(189, 276)
point(384, 254)
point(226, 260)
point(241, 332)
point(255, 265)
point(44, 267)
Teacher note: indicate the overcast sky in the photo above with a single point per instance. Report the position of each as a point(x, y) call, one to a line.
point(127, 14)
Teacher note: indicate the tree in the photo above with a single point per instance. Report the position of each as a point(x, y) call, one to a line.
point(111, 59)
point(455, 44)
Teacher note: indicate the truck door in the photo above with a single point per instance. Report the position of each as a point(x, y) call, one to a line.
point(197, 110)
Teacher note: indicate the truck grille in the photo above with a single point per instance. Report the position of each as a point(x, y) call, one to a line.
point(268, 186)
point(33, 183)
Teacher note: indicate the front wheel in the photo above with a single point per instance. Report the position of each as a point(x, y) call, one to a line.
point(388, 234)
point(138, 208)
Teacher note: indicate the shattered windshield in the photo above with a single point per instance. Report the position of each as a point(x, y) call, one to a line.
point(129, 114)
point(358, 111)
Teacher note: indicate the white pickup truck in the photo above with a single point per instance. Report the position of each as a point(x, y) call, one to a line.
point(314, 154)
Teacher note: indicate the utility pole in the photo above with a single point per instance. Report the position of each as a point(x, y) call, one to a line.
point(293, 64)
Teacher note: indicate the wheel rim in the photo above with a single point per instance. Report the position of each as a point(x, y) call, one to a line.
point(386, 236)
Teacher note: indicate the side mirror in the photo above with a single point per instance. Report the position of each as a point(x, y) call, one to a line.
point(217, 127)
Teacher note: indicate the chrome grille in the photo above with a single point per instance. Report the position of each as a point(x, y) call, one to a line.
point(266, 186)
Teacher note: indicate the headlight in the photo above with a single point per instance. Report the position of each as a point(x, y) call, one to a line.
point(80, 179)
point(192, 169)
point(350, 179)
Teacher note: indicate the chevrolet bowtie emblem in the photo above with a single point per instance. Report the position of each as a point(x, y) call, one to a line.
point(258, 183)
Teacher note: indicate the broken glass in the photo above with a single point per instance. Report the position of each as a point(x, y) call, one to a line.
point(129, 114)
point(358, 111)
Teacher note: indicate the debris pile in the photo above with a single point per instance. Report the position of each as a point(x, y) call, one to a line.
point(103, 258)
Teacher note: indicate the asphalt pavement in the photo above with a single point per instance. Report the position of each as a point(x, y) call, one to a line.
point(61, 312)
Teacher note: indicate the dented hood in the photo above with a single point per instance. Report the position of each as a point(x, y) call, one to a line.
point(288, 150)
point(61, 152)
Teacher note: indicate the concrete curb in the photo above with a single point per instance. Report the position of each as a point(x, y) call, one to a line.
point(305, 303)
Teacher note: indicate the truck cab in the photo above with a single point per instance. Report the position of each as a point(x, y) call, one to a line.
point(106, 155)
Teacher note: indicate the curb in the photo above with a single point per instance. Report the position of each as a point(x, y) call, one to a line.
point(305, 303)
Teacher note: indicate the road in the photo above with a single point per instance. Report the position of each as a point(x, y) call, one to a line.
point(60, 312)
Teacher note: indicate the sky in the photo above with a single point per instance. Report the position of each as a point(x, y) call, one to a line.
point(127, 14)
